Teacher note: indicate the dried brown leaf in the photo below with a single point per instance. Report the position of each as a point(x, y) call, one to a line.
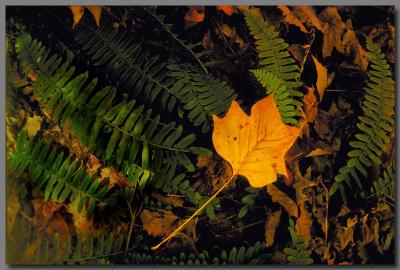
point(270, 227)
point(290, 18)
point(307, 16)
point(284, 200)
point(333, 29)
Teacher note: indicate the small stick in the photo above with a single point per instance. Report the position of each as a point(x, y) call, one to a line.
point(194, 214)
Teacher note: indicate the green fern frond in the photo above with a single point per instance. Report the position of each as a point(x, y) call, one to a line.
point(384, 188)
point(86, 250)
point(299, 254)
point(272, 51)
point(61, 177)
point(235, 256)
point(132, 135)
point(199, 93)
point(188, 47)
point(283, 97)
point(374, 127)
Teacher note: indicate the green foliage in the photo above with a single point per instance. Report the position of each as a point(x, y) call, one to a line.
point(60, 176)
point(248, 201)
point(242, 255)
point(124, 134)
point(287, 105)
point(384, 188)
point(274, 58)
point(182, 43)
point(85, 250)
point(374, 127)
point(201, 94)
point(299, 254)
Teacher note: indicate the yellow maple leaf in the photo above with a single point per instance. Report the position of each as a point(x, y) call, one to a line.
point(254, 145)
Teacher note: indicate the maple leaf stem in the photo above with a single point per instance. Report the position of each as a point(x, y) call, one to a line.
point(177, 230)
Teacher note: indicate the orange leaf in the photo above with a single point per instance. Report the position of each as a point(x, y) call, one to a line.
point(310, 105)
point(96, 12)
point(290, 18)
point(157, 224)
point(254, 145)
point(77, 13)
point(307, 16)
point(280, 197)
point(323, 80)
point(228, 10)
point(194, 16)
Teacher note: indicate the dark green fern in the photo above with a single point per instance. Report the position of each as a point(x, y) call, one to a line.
point(242, 255)
point(199, 93)
point(299, 254)
point(61, 177)
point(374, 127)
point(132, 135)
point(85, 250)
point(384, 188)
point(187, 47)
point(287, 105)
point(275, 60)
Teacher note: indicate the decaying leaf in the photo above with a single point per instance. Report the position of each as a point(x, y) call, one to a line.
point(170, 200)
point(79, 11)
point(157, 224)
point(254, 145)
point(83, 225)
point(310, 105)
point(290, 18)
point(270, 227)
point(323, 79)
point(194, 15)
point(284, 200)
point(33, 125)
point(228, 10)
point(114, 177)
point(352, 47)
point(307, 16)
point(333, 29)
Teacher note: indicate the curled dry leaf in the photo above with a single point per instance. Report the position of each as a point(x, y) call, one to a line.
point(323, 79)
point(284, 200)
point(194, 15)
point(353, 47)
point(333, 29)
point(270, 227)
point(290, 18)
point(307, 16)
point(254, 145)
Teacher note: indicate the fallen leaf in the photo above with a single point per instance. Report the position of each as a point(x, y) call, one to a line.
point(323, 79)
point(194, 15)
point(228, 10)
point(298, 52)
point(352, 47)
point(228, 31)
point(333, 29)
point(157, 224)
point(270, 227)
point(290, 18)
point(44, 211)
point(170, 200)
point(96, 12)
point(82, 224)
point(114, 177)
point(310, 105)
point(307, 16)
point(284, 200)
point(77, 13)
point(254, 145)
point(319, 152)
point(33, 125)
